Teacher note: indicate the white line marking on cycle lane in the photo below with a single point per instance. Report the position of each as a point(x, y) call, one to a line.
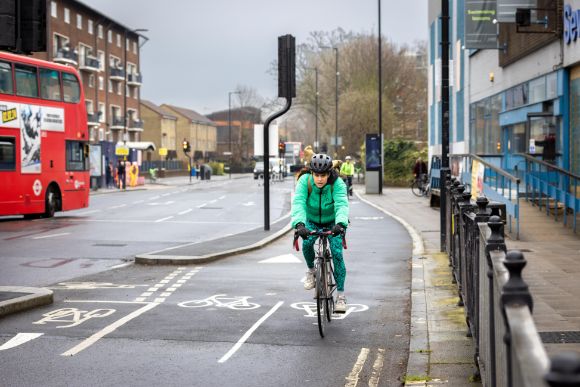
point(377, 366)
point(352, 378)
point(247, 335)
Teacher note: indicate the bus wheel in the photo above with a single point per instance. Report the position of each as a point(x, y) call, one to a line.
point(50, 203)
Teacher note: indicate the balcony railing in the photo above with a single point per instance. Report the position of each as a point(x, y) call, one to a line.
point(89, 63)
point(134, 79)
point(118, 123)
point(93, 119)
point(136, 125)
point(117, 74)
point(66, 56)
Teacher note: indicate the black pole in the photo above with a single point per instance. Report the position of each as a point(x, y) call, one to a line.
point(444, 118)
point(267, 162)
point(380, 106)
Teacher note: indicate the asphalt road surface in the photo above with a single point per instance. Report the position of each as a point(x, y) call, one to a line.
point(242, 321)
point(119, 225)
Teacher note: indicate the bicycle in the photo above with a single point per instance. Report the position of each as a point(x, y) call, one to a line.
point(325, 284)
point(421, 187)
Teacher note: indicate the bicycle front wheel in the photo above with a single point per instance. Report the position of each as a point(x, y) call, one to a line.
point(416, 189)
point(321, 298)
point(329, 298)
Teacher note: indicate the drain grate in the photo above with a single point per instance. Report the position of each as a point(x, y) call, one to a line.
point(564, 337)
point(110, 244)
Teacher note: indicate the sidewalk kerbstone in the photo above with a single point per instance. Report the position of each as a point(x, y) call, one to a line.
point(19, 298)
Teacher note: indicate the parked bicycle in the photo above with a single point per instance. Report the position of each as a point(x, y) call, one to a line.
point(421, 186)
point(325, 284)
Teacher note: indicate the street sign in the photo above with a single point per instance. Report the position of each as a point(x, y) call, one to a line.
point(121, 150)
point(481, 24)
point(162, 151)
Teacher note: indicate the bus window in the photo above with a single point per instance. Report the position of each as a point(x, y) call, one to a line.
point(49, 84)
point(76, 160)
point(26, 83)
point(7, 154)
point(71, 88)
point(6, 78)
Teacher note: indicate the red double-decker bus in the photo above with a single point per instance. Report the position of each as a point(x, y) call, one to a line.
point(44, 159)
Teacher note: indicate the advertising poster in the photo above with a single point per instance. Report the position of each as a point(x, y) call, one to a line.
point(95, 160)
point(477, 174)
point(373, 152)
point(481, 24)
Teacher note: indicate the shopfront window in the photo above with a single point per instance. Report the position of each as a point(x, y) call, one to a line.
point(484, 126)
point(545, 131)
point(517, 139)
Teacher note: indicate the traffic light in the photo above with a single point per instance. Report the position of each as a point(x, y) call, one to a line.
point(281, 149)
point(186, 146)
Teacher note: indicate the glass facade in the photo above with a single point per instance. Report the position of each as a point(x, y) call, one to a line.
point(485, 132)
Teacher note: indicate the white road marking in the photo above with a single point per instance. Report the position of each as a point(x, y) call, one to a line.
point(146, 294)
point(222, 197)
point(202, 205)
point(140, 299)
point(163, 219)
point(249, 333)
point(377, 366)
point(19, 339)
point(138, 201)
point(172, 289)
point(119, 206)
point(186, 211)
point(166, 294)
point(166, 194)
point(107, 302)
point(352, 378)
point(108, 329)
point(51, 235)
point(164, 282)
point(154, 197)
point(160, 299)
point(121, 265)
point(129, 221)
point(88, 212)
point(213, 201)
point(248, 204)
point(286, 258)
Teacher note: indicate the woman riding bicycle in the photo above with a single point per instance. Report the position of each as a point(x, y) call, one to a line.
point(321, 202)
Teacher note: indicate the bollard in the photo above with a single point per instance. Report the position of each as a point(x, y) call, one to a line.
point(564, 370)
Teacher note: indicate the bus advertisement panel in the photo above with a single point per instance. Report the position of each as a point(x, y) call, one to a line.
point(44, 152)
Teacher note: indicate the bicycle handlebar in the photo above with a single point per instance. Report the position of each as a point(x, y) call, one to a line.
point(319, 233)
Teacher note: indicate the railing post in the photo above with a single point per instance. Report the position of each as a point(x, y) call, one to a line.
point(495, 242)
point(514, 292)
point(564, 370)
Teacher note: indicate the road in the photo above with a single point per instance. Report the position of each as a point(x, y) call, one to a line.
point(117, 226)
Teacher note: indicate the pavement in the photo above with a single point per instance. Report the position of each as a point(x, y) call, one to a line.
point(439, 350)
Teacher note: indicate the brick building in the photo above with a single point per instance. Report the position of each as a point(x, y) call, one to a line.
point(106, 53)
point(160, 128)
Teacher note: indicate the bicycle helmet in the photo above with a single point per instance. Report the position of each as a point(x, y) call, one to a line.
point(320, 163)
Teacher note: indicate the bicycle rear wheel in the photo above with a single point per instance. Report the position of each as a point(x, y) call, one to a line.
point(321, 300)
point(416, 189)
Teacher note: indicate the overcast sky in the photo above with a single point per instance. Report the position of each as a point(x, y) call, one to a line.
point(199, 50)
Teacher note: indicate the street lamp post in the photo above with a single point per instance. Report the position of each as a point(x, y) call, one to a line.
point(335, 99)
point(380, 105)
point(315, 107)
point(230, 125)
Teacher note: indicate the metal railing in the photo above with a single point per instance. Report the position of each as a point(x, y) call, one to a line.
point(498, 185)
point(498, 304)
point(170, 165)
point(546, 183)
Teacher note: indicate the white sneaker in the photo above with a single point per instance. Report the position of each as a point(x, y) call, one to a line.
point(309, 282)
point(340, 305)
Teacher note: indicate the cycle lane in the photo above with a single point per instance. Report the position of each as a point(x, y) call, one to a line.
point(188, 343)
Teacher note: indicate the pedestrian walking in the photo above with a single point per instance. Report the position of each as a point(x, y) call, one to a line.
point(109, 174)
point(121, 174)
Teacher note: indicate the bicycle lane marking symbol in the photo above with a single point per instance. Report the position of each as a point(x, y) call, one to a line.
point(310, 309)
point(221, 301)
point(73, 316)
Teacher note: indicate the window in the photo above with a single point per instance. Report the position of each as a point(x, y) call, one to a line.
point(110, 36)
point(100, 29)
point(76, 156)
point(67, 16)
point(485, 132)
point(102, 112)
point(119, 88)
point(90, 26)
point(136, 93)
point(517, 139)
point(79, 21)
point(135, 48)
point(101, 83)
point(53, 10)
point(92, 80)
point(26, 82)
point(118, 40)
point(101, 58)
point(71, 88)
point(49, 85)
point(7, 154)
point(537, 89)
point(110, 86)
point(127, 44)
point(89, 105)
point(6, 78)
point(552, 86)
point(60, 44)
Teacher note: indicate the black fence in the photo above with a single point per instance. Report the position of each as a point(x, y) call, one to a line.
point(498, 304)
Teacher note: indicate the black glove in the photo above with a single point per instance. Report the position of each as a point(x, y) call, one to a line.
point(338, 229)
point(302, 231)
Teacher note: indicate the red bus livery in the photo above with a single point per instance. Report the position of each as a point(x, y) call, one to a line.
point(44, 164)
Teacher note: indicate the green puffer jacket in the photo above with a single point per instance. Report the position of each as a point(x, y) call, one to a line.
point(326, 205)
